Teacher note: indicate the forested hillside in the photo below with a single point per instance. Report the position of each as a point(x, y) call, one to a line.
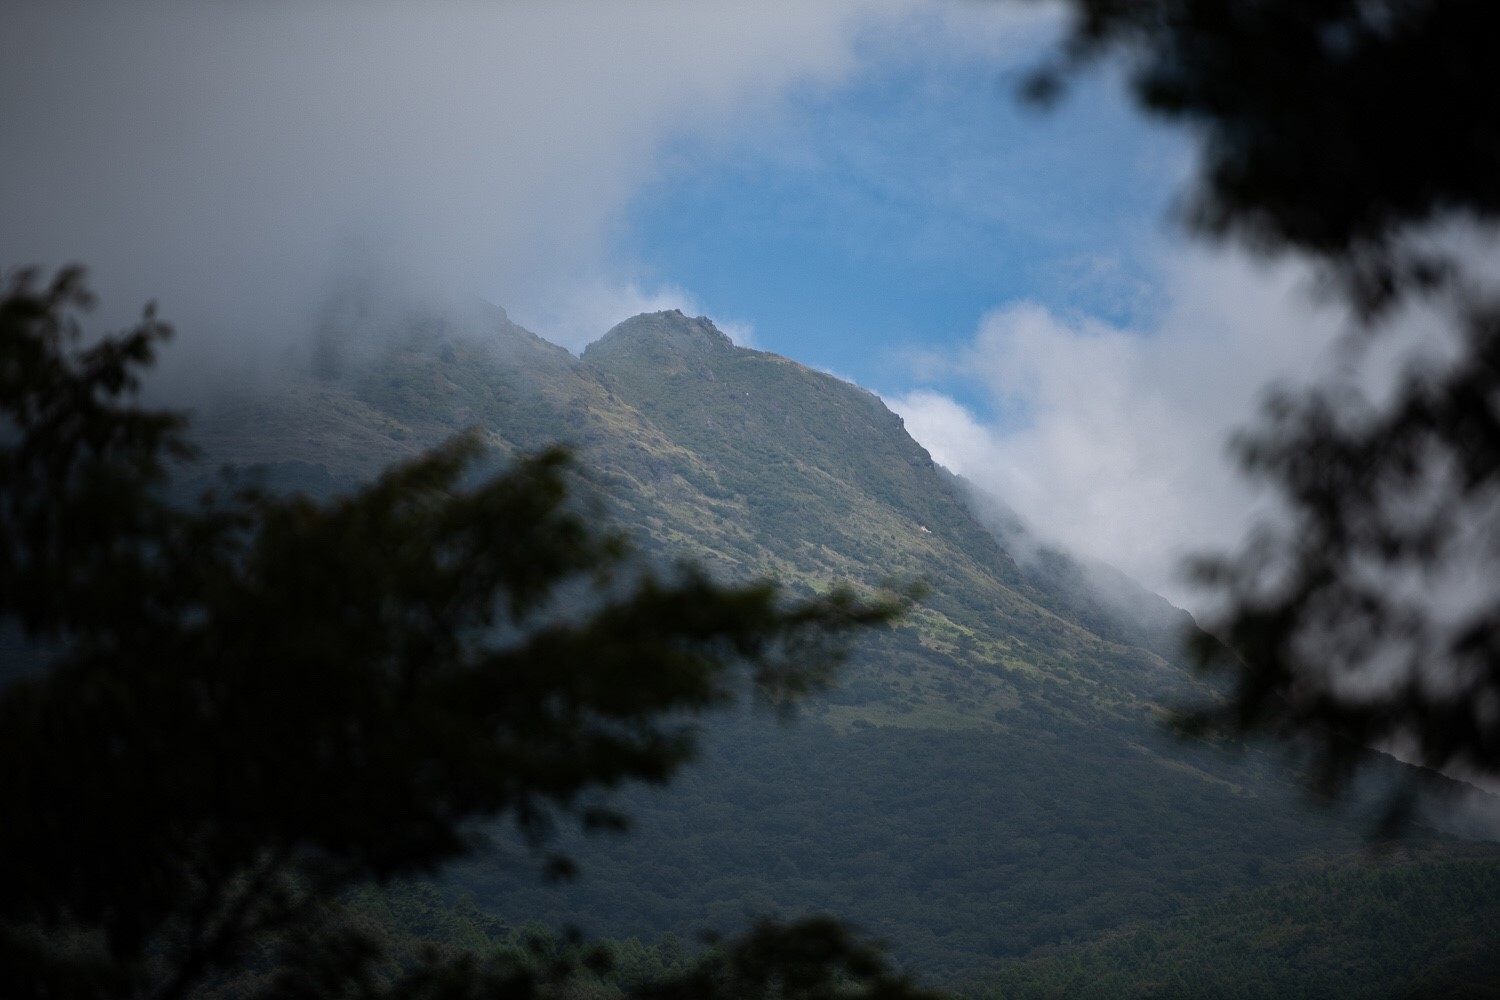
point(1409, 931)
point(992, 776)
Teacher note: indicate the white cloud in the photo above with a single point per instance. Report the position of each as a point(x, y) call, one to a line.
point(1118, 447)
point(224, 158)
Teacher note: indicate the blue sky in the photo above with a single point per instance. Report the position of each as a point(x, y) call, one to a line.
point(850, 183)
point(890, 213)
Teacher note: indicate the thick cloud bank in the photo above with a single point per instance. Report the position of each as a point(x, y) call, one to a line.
point(1114, 443)
point(227, 158)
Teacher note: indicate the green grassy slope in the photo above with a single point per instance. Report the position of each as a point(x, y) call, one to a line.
point(821, 483)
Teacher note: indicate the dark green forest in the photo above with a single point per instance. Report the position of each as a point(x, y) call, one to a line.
point(963, 850)
point(1412, 930)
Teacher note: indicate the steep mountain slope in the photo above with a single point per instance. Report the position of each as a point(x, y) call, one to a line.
point(820, 483)
point(990, 777)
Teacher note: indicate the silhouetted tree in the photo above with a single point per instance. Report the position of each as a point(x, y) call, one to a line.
point(1334, 127)
point(1364, 134)
point(236, 709)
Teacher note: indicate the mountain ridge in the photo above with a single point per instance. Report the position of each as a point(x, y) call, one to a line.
point(990, 777)
point(666, 328)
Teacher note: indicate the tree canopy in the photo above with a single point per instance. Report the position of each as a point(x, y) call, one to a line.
point(221, 714)
point(1361, 134)
point(1333, 127)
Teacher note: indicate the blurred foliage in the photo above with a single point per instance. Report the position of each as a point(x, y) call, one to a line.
point(1374, 614)
point(1332, 127)
point(1363, 135)
point(255, 702)
point(426, 946)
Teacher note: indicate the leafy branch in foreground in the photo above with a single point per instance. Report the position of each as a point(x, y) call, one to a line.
point(1373, 617)
point(816, 958)
point(256, 702)
point(1358, 135)
point(1336, 128)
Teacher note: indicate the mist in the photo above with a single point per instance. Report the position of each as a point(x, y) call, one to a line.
point(240, 164)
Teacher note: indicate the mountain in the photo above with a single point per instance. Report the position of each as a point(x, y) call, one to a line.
point(992, 775)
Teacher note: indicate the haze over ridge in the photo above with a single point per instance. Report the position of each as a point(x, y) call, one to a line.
point(798, 171)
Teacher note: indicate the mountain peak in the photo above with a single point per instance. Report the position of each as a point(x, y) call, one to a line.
point(669, 331)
